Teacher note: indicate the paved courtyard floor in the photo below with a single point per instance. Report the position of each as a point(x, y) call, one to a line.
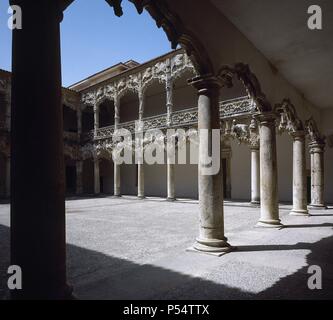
point(136, 249)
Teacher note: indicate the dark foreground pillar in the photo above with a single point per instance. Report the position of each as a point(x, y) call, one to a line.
point(37, 167)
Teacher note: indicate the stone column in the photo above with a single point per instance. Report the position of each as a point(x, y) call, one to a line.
point(211, 237)
point(299, 175)
point(116, 167)
point(7, 192)
point(79, 178)
point(96, 119)
point(317, 149)
point(171, 196)
point(38, 243)
point(269, 209)
point(97, 179)
point(255, 175)
point(171, 180)
point(141, 173)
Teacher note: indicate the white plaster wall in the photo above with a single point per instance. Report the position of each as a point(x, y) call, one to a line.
point(240, 171)
point(155, 180)
point(284, 148)
point(128, 180)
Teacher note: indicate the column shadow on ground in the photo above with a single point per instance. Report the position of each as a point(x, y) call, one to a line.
point(99, 276)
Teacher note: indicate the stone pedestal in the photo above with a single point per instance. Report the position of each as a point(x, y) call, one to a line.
point(317, 175)
point(211, 237)
point(97, 179)
point(79, 181)
point(299, 175)
point(269, 206)
point(255, 176)
point(38, 243)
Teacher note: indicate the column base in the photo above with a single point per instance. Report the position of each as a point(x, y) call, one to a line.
point(141, 197)
point(117, 195)
point(211, 246)
point(317, 207)
point(171, 199)
point(304, 213)
point(269, 224)
point(255, 203)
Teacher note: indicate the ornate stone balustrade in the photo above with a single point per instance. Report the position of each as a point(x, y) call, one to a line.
point(237, 107)
point(184, 118)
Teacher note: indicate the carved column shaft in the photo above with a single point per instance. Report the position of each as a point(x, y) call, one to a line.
point(269, 209)
point(211, 232)
point(116, 167)
point(299, 175)
point(171, 196)
point(141, 173)
point(255, 175)
point(317, 174)
point(169, 85)
point(96, 119)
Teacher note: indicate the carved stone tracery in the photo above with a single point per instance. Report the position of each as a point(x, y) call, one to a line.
point(288, 120)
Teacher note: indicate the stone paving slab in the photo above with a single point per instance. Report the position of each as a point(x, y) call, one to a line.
point(125, 248)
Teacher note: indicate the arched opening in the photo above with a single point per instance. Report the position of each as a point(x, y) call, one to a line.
point(184, 95)
point(155, 100)
point(129, 107)
point(106, 113)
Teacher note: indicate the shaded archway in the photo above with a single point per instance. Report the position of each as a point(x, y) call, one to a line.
point(155, 100)
point(106, 113)
point(129, 106)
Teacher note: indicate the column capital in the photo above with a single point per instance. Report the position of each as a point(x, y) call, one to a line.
point(317, 146)
point(298, 135)
point(205, 84)
point(266, 117)
point(255, 147)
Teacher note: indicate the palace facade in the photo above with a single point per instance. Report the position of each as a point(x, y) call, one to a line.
point(158, 93)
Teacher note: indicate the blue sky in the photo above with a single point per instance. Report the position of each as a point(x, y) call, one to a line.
point(93, 38)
